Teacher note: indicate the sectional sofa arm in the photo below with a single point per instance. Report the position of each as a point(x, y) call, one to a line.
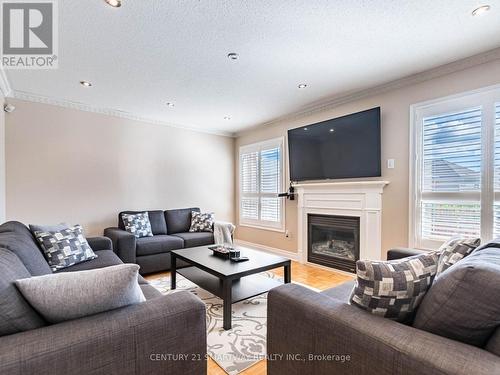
point(100, 243)
point(165, 335)
point(123, 244)
point(402, 252)
point(310, 333)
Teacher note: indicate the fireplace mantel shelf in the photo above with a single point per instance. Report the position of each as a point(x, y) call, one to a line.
point(342, 185)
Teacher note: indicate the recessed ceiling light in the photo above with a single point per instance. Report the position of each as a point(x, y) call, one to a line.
point(85, 83)
point(302, 86)
point(306, 129)
point(114, 3)
point(170, 104)
point(227, 117)
point(332, 130)
point(233, 56)
point(481, 10)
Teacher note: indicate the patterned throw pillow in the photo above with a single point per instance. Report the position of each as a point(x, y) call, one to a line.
point(393, 289)
point(454, 250)
point(138, 224)
point(202, 222)
point(65, 248)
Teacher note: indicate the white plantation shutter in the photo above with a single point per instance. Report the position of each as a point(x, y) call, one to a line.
point(261, 179)
point(456, 170)
point(451, 154)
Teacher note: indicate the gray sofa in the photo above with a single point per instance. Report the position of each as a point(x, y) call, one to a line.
point(305, 326)
point(170, 232)
point(146, 338)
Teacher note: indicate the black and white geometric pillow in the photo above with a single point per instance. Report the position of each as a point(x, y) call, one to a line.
point(454, 250)
point(65, 248)
point(202, 222)
point(393, 289)
point(138, 224)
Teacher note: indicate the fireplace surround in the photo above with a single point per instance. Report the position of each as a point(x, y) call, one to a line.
point(358, 199)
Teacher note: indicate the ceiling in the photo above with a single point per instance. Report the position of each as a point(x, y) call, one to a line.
point(147, 53)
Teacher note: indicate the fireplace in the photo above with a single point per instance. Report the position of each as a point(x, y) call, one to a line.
point(333, 241)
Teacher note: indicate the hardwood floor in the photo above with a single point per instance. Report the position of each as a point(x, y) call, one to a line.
point(309, 275)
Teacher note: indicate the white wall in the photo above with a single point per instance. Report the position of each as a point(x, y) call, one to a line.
point(2, 160)
point(81, 167)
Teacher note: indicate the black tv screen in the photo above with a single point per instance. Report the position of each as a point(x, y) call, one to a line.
point(344, 147)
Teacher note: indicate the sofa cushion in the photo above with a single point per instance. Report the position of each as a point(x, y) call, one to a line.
point(60, 297)
point(196, 239)
point(158, 244)
point(454, 250)
point(138, 224)
point(493, 345)
point(156, 218)
point(17, 238)
point(179, 220)
point(394, 288)
point(16, 315)
point(65, 248)
point(48, 228)
point(105, 258)
point(463, 302)
point(340, 292)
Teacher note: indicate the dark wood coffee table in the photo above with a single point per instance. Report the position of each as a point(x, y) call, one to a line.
point(230, 281)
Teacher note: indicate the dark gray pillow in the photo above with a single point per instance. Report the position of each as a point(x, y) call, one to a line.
point(16, 315)
point(48, 228)
point(464, 301)
point(455, 250)
point(71, 295)
point(65, 248)
point(393, 289)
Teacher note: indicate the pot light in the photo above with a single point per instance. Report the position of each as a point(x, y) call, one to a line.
point(305, 129)
point(481, 10)
point(332, 130)
point(85, 83)
point(227, 118)
point(170, 104)
point(114, 3)
point(302, 86)
point(233, 56)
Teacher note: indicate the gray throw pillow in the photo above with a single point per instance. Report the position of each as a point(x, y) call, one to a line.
point(202, 222)
point(455, 250)
point(65, 248)
point(138, 224)
point(464, 301)
point(72, 295)
point(16, 315)
point(393, 289)
point(48, 228)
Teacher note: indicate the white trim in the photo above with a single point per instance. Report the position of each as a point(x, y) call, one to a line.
point(486, 98)
point(366, 92)
point(260, 224)
point(272, 250)
point(35, 98)
point(4, 83)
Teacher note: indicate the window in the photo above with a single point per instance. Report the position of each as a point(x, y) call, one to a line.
point(455, 187)
point(261, 179)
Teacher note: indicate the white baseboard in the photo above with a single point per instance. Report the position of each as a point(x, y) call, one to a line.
point(273, 250)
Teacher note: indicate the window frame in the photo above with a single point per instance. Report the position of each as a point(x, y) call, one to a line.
point(262, 224)
point(486, 98)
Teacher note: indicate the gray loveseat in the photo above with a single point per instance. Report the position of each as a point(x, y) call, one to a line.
point(170, 232)
point(313, 333)
point(146, 338)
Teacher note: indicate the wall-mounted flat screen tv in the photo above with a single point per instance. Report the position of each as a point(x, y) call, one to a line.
point(343, 147)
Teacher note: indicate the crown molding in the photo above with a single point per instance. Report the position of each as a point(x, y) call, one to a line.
point(413, 79)
point(35, 98)
point(4, 83)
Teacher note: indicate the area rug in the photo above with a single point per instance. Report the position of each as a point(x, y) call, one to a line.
point(242, 346)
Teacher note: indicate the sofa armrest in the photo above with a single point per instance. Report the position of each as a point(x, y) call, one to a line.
point(402, 252)
point(123, 244)
point(100, 243)
point(302, 323)
point(165, 335)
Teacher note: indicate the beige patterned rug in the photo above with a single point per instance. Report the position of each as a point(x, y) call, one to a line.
point(240, 347)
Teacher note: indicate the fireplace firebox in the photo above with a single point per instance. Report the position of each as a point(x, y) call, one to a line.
point(333, 241)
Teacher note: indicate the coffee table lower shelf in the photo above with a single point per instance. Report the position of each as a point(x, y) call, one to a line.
point(243, 288)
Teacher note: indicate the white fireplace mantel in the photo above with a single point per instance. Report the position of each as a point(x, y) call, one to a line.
point(361, 199)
